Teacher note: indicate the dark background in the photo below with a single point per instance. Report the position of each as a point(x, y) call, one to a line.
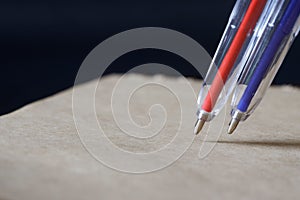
point(44, 42)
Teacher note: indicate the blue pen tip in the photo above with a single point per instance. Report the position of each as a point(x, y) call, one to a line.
point(232, 125)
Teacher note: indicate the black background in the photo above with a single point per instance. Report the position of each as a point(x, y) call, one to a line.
point(44, 42)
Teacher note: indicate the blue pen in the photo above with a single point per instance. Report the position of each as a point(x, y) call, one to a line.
point(265, 61)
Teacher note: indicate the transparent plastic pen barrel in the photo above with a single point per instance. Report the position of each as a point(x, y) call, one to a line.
point(266, 82)
point(264, 28)
point(233, 24)
point(224, 51)
point(258, 74)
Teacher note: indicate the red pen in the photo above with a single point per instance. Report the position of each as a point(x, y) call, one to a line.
point(246, 26)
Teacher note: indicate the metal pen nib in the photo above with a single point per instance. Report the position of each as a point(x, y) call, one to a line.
point(202, 117)
point(232, 125)
point(235, 120)
point(198, 126)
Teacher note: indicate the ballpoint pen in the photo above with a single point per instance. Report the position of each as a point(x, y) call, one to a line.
point(258, 76)
point(224, 68)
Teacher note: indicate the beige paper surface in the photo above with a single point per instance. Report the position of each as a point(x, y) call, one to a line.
point(41, 156)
